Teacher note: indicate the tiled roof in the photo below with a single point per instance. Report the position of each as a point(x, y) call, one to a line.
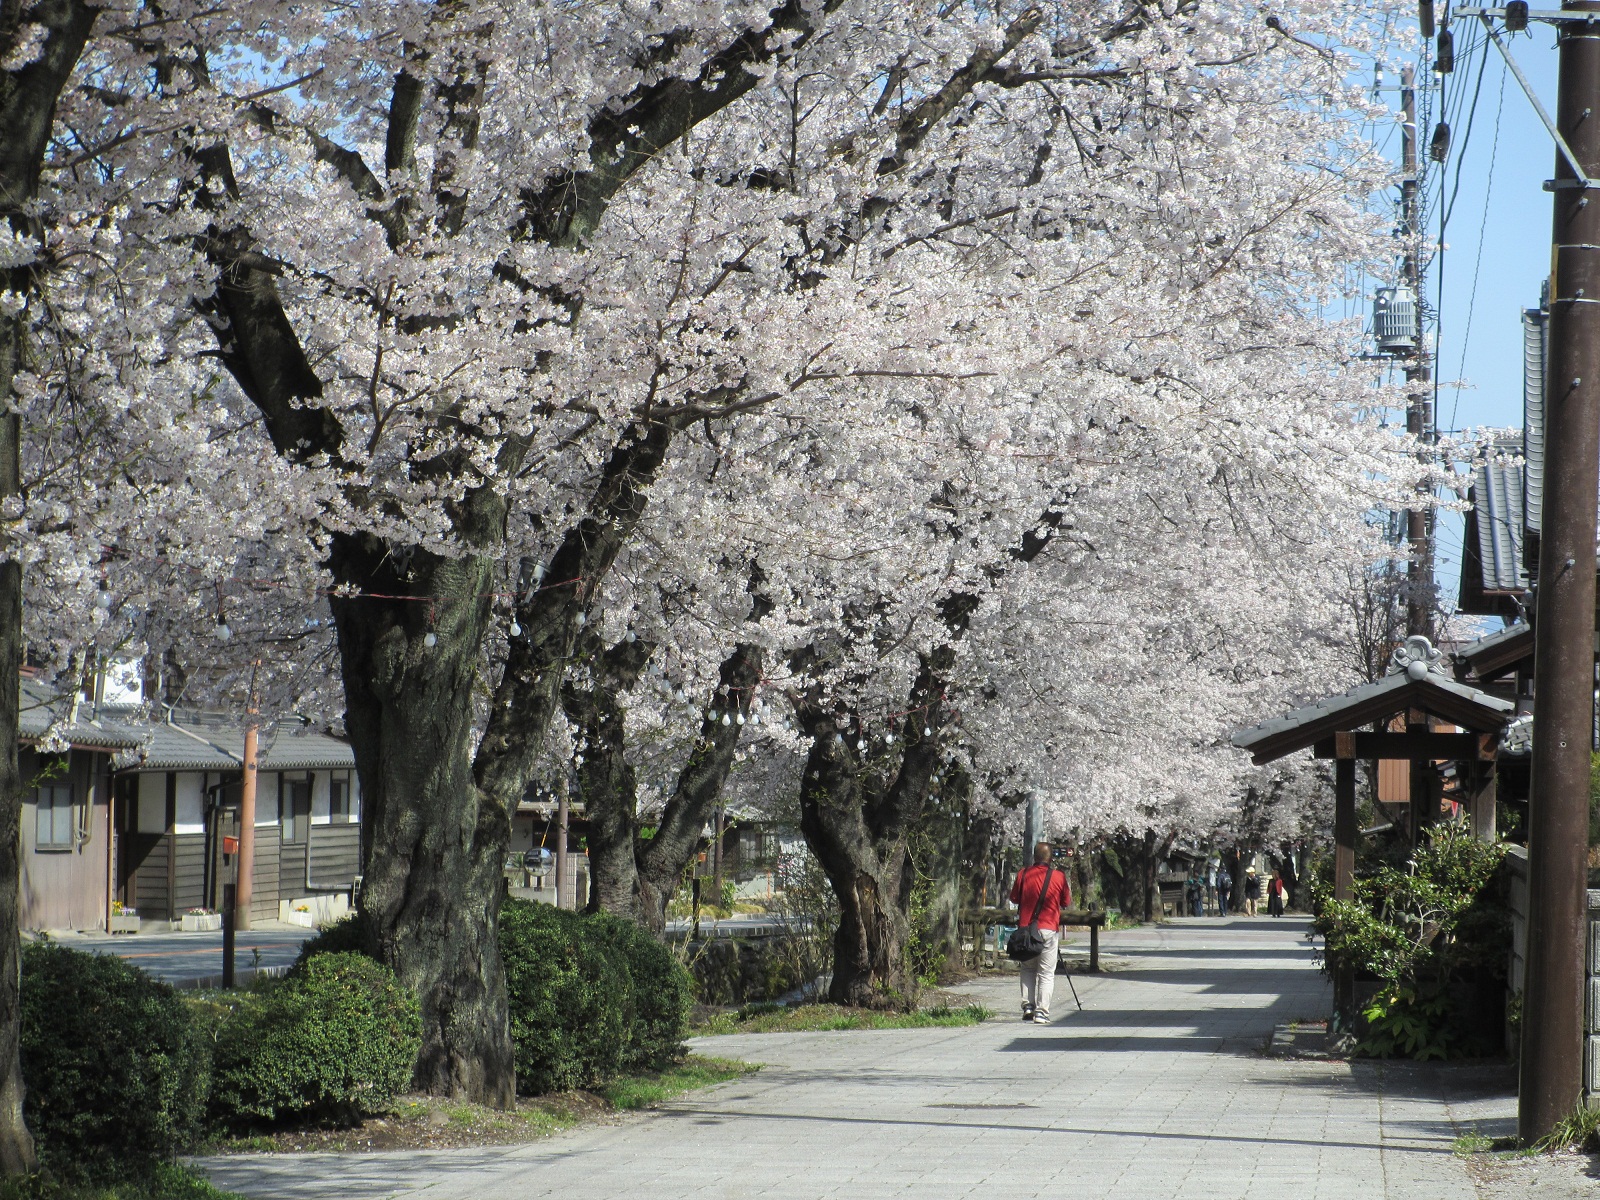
point(1434, 693)
point(188, 741)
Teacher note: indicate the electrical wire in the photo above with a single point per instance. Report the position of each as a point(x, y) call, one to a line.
point(1483, 226)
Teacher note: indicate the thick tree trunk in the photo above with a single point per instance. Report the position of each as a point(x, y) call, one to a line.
point(434, 843)
point(635, 876)
point(868, 877)
point(28, 97)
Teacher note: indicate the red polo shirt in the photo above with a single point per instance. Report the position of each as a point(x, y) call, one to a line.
point(1025, 894)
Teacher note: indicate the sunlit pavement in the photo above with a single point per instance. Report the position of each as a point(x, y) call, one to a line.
point(1158, 1089)
point(190, 958)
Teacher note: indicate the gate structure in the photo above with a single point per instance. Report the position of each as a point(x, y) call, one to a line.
point(1440, 722)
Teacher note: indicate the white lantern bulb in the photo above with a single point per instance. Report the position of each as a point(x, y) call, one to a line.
point(726, 720)
point(223, 632)
point(583, 619)
point(515, 630)
point(430, 639)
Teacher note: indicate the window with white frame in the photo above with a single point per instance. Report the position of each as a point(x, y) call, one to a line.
point(55, 818)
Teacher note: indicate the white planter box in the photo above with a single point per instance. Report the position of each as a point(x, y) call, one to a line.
point(309, 920)
point(125, 922)
point(200, 922)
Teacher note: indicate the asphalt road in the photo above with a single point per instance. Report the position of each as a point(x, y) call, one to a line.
point(194, 958)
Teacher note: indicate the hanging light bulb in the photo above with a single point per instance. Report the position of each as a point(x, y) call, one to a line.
point(515, 630)
point(712, 716)
point(681, 695)
point(583, 618)
point(223, 632)
point(630, 636)
point(726, 720)
point(430, 639)
point(926, 732)
point(102, 599)
point(740, 719)
point(755, 718)
point(861, 743)
point(839, 738)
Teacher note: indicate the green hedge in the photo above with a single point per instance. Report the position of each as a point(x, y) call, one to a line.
point(589, 996)
point(115, 1076)
point(335, 1040)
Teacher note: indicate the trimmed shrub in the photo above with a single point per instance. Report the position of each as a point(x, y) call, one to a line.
point(349, 935)
point(660, 988)
point(116, 1081)
point(589, 995)
point(337, 1039)
point(570, 997)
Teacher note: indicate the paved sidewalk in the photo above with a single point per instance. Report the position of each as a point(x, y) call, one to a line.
point(1157, 1090)
point(188, 959)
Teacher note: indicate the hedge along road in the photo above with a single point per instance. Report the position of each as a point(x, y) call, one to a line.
point(1158, 1089)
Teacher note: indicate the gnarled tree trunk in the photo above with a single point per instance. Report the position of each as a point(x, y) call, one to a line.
point(28, 95)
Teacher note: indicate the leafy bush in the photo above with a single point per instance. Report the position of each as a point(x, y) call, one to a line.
point(115, 1080)
point(1434, 937)
point(338, 1038)
point(570, 995)
point(660, 991)
point(589, 995)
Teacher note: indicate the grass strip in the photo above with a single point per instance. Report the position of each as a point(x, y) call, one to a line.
point(816, 1018)
point(641, 1091)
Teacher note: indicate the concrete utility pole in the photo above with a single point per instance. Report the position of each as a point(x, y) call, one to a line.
point(1419, 378)
point(1558, 834)
point(247, 818)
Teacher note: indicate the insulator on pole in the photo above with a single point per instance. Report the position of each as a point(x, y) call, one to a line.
point(1425, 17)
point(1439, 146)
point(1444, 55)
point(1516, 15)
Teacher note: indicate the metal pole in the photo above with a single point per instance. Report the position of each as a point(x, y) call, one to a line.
point(1558, 833)
point(1419, 376)
point(228, 891)
point(1344, 871)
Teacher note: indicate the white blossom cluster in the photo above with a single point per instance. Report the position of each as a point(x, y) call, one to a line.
point(1084, 304)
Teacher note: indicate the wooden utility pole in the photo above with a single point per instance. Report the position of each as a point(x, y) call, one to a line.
point(247, 818)
point(1558, 828)
point(561, 852)
point(1419, 378)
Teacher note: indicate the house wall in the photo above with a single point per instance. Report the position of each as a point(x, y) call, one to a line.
point(65, 888)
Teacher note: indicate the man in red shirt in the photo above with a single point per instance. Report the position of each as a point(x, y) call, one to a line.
point(1040, 893)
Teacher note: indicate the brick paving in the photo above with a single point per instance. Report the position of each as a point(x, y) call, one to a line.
point(1158, 1089)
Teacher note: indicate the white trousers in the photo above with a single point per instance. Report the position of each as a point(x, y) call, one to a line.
point(1039, 973)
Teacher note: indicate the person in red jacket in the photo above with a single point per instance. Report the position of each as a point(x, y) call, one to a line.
point(1040, 893)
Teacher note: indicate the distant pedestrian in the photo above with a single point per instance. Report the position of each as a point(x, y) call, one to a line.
point(1252, 892)
point(1196, 893)
point(1224, 890)
point(1275, 894)
point(1040, 893)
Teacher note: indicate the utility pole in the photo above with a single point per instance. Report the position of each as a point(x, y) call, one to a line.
point(1558, 834)
point(247, 816)
point(1419, 377)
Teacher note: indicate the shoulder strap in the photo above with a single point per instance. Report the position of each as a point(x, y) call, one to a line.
point(1044, 890)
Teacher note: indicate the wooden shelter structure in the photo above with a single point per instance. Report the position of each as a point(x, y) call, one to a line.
point(1444, 721)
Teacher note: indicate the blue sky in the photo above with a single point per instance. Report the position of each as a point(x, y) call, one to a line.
point(1497, 242)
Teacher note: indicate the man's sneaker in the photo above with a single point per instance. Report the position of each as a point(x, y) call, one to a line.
point(1040, 1017)
point(1027, 1012)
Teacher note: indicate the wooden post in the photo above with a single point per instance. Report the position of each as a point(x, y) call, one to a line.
point(1480, 795)
point(1344, 868)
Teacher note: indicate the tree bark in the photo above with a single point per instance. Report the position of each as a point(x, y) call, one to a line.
point(433, 842)
point(28, 96)
point(634, 876)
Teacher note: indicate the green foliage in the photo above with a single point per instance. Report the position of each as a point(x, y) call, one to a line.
point(1578, 1130)
point(115, 1082)
point(335, 1040)
point(642, 1091)
point(163, 1181)
point(660, 991)
point(589, 996)
point(1425, 931)
point(809, 1018)
point(352, 935)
